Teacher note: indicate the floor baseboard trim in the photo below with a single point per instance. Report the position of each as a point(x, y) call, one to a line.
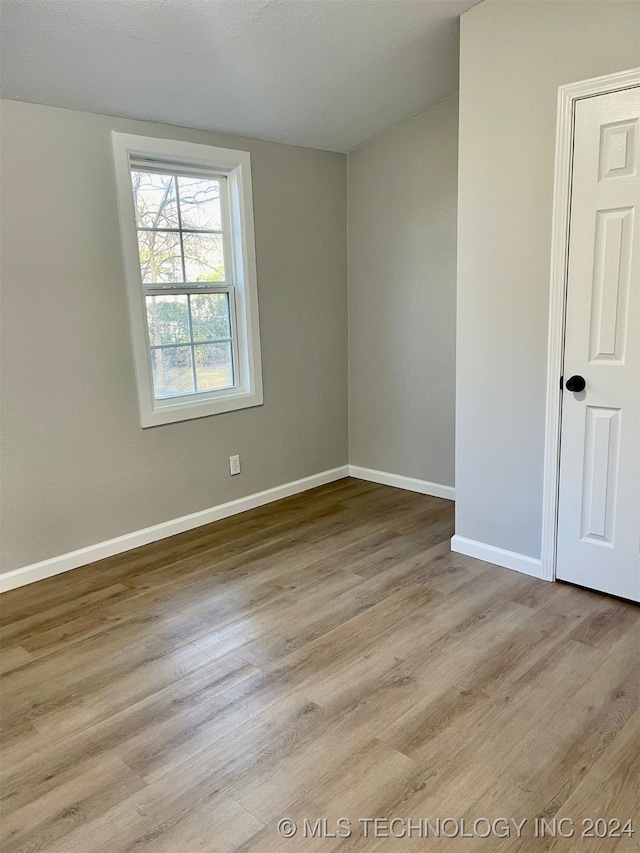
point(92, 553)
point(498, 556)
point(424, 487)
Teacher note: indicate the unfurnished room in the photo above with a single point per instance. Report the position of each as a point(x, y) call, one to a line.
point(320, 426)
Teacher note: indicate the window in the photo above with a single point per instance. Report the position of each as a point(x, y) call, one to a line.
point(187, 233)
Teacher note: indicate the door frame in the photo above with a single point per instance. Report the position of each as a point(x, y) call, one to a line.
point(568, 95)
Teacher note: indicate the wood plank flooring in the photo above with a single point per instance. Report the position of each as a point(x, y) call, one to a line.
point(326, 656)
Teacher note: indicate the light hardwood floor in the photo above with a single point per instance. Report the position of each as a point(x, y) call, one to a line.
point(322, 657)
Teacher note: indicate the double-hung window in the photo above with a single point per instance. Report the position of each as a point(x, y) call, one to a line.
point(187, 232)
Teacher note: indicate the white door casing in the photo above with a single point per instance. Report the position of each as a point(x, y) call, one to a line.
point(598, 534)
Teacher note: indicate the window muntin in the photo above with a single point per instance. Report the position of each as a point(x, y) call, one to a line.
point(182, 226)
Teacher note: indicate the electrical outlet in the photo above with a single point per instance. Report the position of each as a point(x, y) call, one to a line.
point(234, 465)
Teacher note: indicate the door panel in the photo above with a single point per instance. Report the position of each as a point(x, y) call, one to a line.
point(612, 273)
point(600, 479)
point(619, 150)
point(599, 499)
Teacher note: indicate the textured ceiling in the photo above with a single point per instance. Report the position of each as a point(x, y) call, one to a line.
point(321, 73)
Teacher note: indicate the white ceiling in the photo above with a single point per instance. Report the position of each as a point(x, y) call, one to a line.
point(321, 73)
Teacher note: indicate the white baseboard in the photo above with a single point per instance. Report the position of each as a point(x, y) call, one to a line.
point(84, 556)
point(498, 556)
point(436, 490)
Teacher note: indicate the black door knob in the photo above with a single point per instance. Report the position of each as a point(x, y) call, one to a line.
point(575, 383)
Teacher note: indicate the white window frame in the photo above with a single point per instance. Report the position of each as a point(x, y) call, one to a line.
point(241, 261)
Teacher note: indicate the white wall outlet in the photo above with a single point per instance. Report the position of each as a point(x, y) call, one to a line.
point(234, 465)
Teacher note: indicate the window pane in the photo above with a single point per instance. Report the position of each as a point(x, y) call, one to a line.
point(214, 367)
point(155, 200)
point(203, 257)
point(160, 259)
point(200, 203)
point(210, 316)
point(172, 373)
point(168, 318)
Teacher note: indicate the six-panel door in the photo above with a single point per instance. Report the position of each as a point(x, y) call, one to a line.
point(599, 501)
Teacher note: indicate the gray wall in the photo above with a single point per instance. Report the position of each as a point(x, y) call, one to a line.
point(77, 467)
point(402, 273)
point(513, 58)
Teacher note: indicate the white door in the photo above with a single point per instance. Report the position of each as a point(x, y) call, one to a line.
point(599, 498)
